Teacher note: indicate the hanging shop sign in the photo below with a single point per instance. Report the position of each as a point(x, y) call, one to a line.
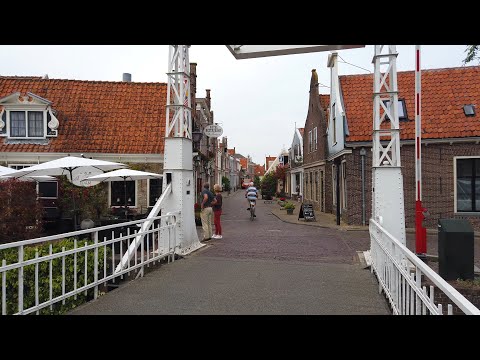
point(213, 131)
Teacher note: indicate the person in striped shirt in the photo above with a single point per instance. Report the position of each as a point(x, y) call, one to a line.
point(251, 194)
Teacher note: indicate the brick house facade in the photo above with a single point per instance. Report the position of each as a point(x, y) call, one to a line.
point(314, 149)
point(450, 150)
point(105, 120)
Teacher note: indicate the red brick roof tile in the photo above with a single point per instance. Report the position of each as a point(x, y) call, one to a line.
point(324, 101)
point(97, 116)
point(444, 93)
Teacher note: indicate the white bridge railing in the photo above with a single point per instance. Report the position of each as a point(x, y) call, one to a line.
point(40, 273)
point(403, 277)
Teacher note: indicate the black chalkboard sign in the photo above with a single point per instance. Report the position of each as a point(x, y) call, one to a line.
point(306, 212)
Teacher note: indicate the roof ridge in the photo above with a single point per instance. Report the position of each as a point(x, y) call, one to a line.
point(423, 70)
point(37, 78)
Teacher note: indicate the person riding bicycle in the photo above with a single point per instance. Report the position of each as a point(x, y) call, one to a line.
point(251, 194)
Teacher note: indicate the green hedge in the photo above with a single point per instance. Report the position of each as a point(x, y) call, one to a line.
point(11, 256)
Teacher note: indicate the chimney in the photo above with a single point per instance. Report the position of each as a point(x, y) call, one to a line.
point(314, 80)
point(127, 77)
point(208, 99)
point(193, 80)
point(332, 59)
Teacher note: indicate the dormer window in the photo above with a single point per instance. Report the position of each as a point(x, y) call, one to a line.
point(28, 124)
point(402, 109)
point(27, 117)
point(469, 110)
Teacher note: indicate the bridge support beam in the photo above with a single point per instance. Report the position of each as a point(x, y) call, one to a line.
point(178, 159)
point(387, 179)
point(178, 170)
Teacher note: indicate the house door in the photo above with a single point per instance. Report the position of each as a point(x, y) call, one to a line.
point(322, 193)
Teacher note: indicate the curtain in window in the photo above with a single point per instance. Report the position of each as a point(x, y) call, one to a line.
point(468, 185)
point(17, 124)
point(117, 195)
point(35, 124)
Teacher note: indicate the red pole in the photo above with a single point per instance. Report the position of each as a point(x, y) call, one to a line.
point(420, 231)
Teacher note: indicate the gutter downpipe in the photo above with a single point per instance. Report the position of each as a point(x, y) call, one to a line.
point(363, 153)
point(338, 191)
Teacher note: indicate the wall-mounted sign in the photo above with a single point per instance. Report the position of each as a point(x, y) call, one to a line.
point(213, 131)
point(79, 176)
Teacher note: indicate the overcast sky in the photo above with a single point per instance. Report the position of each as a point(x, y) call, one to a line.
point(257, 101)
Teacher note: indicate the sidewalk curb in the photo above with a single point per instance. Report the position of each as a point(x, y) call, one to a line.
point(333, 227)
point(298, 223)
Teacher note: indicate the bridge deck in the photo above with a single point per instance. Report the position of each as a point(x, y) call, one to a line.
point(262, 267)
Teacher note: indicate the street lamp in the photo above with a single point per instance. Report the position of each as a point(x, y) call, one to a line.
point(196, 137)
point(196, 160)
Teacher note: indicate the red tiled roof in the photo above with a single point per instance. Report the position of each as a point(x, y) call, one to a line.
point(97, 116)
point(231, 151)
point(243, 163)
point(444, 92)
point(324, 101)
point(301, 130)
point(259, 170)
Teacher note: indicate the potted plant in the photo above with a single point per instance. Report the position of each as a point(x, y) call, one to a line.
point(289, 206)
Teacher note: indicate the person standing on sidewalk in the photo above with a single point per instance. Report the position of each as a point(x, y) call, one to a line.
point(206, 212)
point(217, 211)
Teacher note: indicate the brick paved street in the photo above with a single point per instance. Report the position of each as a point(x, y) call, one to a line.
point(265, 266)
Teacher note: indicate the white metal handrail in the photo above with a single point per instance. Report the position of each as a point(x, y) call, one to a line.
point(144, 227)
point(400, 273)
point(153, 248)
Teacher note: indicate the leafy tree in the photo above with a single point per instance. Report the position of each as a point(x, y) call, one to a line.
point(226, 183)
point(20, 211)
point(280, 172)
point(269, 184)
point(90, 202)
point(472, 54)
point(256, 181)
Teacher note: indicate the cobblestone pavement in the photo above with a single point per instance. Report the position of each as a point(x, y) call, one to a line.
point(359, 234)
point(265, 266)
point(268, 238)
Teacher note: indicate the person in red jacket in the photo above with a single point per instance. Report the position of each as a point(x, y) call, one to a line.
point(217, 211)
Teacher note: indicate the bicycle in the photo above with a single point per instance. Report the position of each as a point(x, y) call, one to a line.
point(252, 210)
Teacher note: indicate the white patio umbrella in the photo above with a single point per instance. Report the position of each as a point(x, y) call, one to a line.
point(71, 166)
point(124, 175)
point(8, 173)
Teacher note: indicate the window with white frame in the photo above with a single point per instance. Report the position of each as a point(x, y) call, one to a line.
point(305, 186)
point(334, 184)
point(343, 182)
point(118, 190)
point(27, 124)
point(402, 109)
point(310, 141)
point(154, 190)
point(27, 117)
point(468, 185)
point(334, 126)
point(46, 189)
point(311, 186)
point(315, 138)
